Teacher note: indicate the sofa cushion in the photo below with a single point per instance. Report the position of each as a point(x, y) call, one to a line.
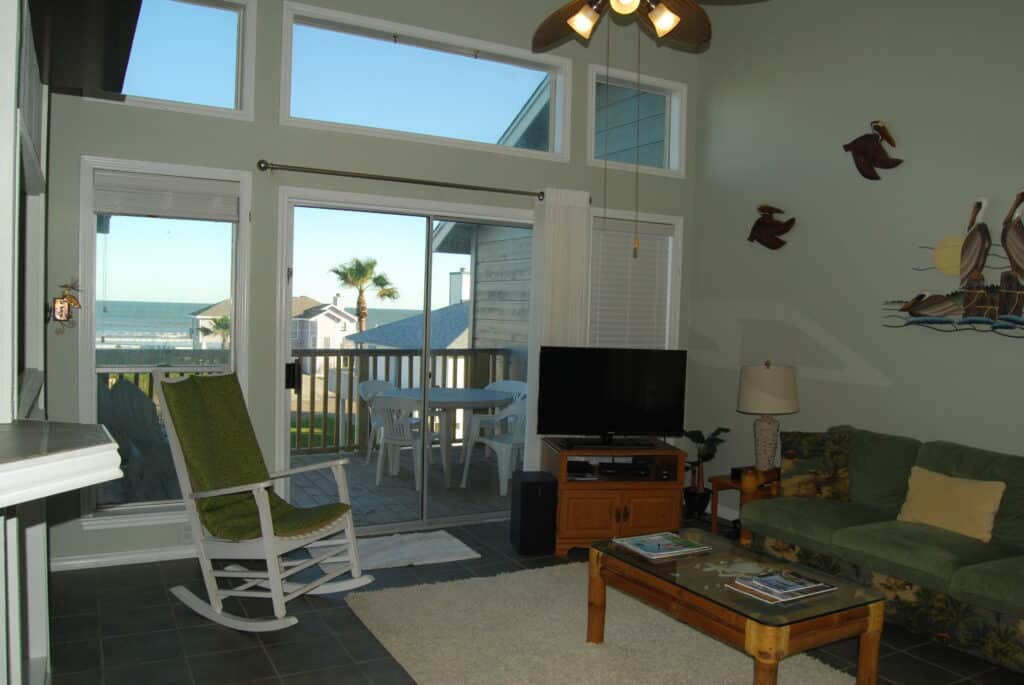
point(815, 465)
point(930, 494)
point(879, 468)
point(914, 552)
point(994, 585)
point(961, 461)
point(808, 522)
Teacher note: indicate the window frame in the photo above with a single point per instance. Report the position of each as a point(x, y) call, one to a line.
point(166, 511)
point(674, 292)
point(245, 77)
point(676, 101)
point(559, 68)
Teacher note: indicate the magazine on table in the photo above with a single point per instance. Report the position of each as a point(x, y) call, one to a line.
point(661, 545)
point(781, 586)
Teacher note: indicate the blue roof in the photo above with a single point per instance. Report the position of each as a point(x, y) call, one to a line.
point(375, 316)
point(446, 325)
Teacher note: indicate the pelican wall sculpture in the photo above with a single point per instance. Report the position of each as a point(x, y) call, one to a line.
point(981, 304)
point(767, 229)
point(869, 154)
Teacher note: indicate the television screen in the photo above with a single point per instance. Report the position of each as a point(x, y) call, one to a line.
point(598, 391)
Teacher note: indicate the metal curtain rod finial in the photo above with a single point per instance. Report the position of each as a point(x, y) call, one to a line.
point(264, 165)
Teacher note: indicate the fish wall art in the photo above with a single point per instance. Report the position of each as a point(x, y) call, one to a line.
point(990, 297)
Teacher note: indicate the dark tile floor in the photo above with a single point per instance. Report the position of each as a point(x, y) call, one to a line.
point(120, 625)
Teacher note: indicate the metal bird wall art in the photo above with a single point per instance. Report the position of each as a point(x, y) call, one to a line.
point(977, 245)
point(869, 155)
point(992, 305)
point(1013, 236)
point(767, 228)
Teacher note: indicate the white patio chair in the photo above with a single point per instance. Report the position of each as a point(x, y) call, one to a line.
point(235, 515)
point(486, 422)
point(400, 428)
point(367, 391)
point(507, 446)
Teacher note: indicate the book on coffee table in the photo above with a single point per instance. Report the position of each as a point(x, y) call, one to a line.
point(661, 545)
point(782, 586)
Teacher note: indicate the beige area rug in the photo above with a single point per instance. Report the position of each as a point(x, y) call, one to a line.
point(410, 549)
point(530, 627)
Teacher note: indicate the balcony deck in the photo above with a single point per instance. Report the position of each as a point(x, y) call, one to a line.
point(396, 500)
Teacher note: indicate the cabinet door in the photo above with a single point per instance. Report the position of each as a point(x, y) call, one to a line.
point(645, 512)
point(589, 515)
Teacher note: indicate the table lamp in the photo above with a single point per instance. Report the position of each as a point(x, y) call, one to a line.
point(768, 391)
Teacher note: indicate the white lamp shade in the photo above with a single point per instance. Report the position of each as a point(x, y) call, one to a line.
point(768, 390)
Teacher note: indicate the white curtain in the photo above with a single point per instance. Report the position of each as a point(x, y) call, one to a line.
point(560, 288)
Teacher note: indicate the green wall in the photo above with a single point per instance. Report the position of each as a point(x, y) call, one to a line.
point(787, 83)
point(80, 127)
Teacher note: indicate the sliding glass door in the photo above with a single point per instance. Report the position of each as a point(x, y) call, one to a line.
point(368, 303)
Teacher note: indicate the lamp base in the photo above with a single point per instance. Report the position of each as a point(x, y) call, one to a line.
point(766, 441)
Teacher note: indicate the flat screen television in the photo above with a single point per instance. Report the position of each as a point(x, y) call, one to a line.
point(601, 392)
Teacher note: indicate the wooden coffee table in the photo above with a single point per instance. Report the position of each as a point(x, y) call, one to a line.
point(692, 590)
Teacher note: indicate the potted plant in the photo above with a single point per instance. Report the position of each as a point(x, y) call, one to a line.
point(696, 495)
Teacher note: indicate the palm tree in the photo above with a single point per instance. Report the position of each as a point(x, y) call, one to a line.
point(220, 326)
point(362, 275)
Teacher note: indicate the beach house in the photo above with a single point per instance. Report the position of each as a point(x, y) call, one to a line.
point(197, 190)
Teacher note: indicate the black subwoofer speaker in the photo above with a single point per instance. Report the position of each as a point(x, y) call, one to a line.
point(534, 502)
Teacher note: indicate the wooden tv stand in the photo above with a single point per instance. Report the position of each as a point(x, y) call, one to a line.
point(599, 506)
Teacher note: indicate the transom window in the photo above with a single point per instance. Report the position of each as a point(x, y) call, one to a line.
point(369, 76)
point(636, 122)
point(192, 53)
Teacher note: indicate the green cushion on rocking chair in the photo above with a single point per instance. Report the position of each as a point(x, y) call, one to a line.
point(221, 451)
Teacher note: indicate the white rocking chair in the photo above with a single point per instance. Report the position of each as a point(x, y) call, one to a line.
point(236, 516)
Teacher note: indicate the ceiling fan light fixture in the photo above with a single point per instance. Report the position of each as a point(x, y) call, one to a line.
point(664, 19)
point(583, 22)
point(625, 6)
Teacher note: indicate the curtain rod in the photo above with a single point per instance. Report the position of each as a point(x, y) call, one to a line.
point(264, 165)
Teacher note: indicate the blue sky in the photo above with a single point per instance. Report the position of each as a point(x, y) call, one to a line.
point(187, 52)
point(325, 238)
point(163, 260)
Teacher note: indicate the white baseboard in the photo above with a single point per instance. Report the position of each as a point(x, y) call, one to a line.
point(121, 558)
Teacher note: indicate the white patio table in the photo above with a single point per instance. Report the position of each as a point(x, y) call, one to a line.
point(446, 401)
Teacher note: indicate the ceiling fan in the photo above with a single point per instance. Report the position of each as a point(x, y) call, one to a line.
point(681, 22)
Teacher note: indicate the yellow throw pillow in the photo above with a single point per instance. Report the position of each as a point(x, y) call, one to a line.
point(960, 505)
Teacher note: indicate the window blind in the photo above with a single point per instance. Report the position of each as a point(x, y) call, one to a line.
point(175, 197)
point(629, 298)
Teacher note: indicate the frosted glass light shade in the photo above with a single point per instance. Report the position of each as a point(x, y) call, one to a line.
point(625, 6)
point(583, 22)
point(664, 20)
point(768, 390)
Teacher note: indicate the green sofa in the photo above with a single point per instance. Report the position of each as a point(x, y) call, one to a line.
point(840, 494)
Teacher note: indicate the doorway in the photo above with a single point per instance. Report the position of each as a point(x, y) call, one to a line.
point(372, 292)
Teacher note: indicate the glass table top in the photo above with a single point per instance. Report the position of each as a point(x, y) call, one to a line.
point(707, 575)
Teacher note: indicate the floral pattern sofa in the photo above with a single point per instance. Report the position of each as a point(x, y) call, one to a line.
point(840, 493)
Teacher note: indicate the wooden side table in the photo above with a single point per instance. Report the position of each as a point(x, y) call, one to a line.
point(719, 483)
point(753, 485)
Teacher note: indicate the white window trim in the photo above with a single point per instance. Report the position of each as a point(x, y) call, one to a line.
point(676, 98)
point(559, 67)
point(675, 289)
point(244, 109)
point(156, 513)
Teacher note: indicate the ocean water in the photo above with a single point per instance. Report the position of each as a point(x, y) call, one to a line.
point(144, 323)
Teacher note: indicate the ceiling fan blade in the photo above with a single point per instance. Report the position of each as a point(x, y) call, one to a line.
point(694, 28)
point(555, 27)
